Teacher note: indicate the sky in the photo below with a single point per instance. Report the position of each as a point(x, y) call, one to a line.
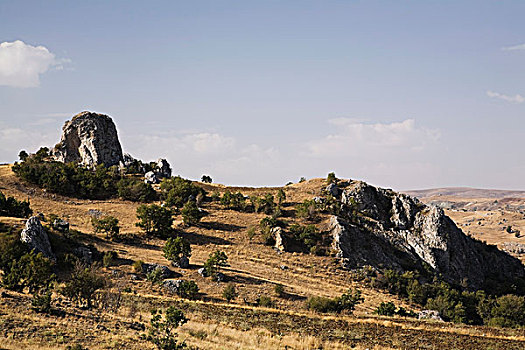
point(401, 94)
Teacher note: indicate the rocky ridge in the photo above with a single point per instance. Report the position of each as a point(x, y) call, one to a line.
point(384, 229)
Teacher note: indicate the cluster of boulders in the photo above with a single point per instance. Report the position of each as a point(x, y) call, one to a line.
point(161, 171)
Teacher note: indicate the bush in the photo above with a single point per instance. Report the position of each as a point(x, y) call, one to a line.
point(307, 210)
point(264, 301)
point(188, 290)
point(281, 196)
point(41, 301)
point(176, 248)
point(229, 293)
point(32, 270)
point(191, 215)
point(214, 262)
point(331, 178)
point(302, 179)
point(108, 225)
point(162, 329)
point(68, 179)
point(206, 179)
point(386, 309)
point(155, 276)
point(279, 290)
point(109, 258)
point(137, 266)
point(9, 206)
point(250, 233)
point(234, 201)
point(264, 204)
point(135, 190)
point(345, 302)
point(82, 284)
point(308, 235)
point(177, 191)
point(155, 220)
point(508, 311)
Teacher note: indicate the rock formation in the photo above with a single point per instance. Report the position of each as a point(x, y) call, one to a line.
point(382, 228)
point(89, 139)
point(36, 237)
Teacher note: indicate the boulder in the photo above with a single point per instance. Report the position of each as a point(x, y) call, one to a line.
point(163, 169)
point(182, 263)
point(89, 139)
point(333, 190)
point(36, 237)
point(280, 241)
point(202, 271)
point(61, 225)
point(149, 268)
point(429, 315)
point(172, 286)
point(219, 277)
point(84, 254)
point(151, 178)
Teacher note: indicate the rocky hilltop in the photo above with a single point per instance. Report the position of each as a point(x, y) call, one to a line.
point(385, 229)
point(89, 139)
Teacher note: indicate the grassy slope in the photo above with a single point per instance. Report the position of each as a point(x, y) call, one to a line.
point(255, 269)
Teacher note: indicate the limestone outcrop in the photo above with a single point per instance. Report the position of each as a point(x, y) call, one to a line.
point(36, 237)
point(89, 139)
point(382, 228)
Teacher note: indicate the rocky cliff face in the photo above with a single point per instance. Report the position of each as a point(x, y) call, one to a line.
point(36, 237)
point(89, 139)
point(382, 228)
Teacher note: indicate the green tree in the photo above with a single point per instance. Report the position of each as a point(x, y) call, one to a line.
point(177, 191)
point(191, 215)
point(215, 261)
point(386, 309)
point(229, 293)
point(108, 225)
point(188, 289)
point(162, 329)
point(176, 248)
point(135, 190)
point(155, 220)
point(23, 155)
point(331, 178)
point(206, 179)
point(10, 206)
point(281, 196)
point(32, 270)
point(83, 284)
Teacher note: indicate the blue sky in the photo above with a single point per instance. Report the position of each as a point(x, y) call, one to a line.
point(402, 94)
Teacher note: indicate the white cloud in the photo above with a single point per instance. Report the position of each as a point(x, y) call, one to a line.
point(355, 138)
point(513, 48)
point(513, 99)
point(22, 64)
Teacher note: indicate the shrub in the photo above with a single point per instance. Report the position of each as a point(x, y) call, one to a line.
point(191, 215)
point(23, 155)
point(508, 311)
point(82, 284)
point(331, 178)
point(302, 179)
point(9, 206)
point(216, 196)
point(155, 276)
point(135, 190)
point(250, 232)
point(229, 293)
point(308, 235)
point(109, 258)
point(176, 248)
point(32, 270)
point(188, 289)
point(279, 290)
point(386, 309)
point(214, 262)
point(108, 225)
point(206, 179)
point(162, 329)
point(307, 210)
point(137, 266)
point(281, 196)
point(177, 191)
point(41, 301)
point(264, 301)
point(345, 302)
point(155, 220)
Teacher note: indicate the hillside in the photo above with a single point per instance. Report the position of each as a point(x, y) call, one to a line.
point(254, 268)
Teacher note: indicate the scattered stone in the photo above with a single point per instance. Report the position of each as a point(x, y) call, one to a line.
point(95, 213)
point(429, 315)
point(148, 268)
point(61, 225)
point(163, 169)
point(134, 277)
point(219, 277)
point(84, 254)
point(182, 263)
point(137, 326)
point(172, 286)
point(333, 190)
point(36, 237)
point(283, 267)
point(89, 139)
point(151, 178)
point(202, 271)
point(319, 200)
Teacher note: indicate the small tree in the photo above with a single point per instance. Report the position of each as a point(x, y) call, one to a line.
point(331, 178)
point(108, 225)
point(191, 214)
point(83, 284)
point(162, 329)
point(155, 220)
point(386, 309)
point(206, 179)
point(176, 248)
point(281, 196)
point(188, 289)
point(214, 262)
point(279, 290)
point(32, 271)
point(23, 155)
point(229, 293)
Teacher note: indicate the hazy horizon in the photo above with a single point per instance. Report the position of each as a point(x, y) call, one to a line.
point(402, 95)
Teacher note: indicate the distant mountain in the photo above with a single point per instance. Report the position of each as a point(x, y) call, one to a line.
point(465, 192)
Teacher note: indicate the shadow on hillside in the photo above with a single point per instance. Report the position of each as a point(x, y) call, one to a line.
point(212, 225)
point(200, 239)
point(245, 280)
